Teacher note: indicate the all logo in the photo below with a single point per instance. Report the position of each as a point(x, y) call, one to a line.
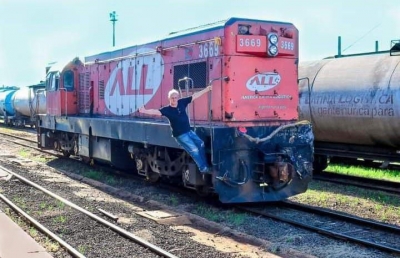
point(133, 82)
point(263, 82)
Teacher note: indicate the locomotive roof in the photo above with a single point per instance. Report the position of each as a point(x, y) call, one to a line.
point(173, 35)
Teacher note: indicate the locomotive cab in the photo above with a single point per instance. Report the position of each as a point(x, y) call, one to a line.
point(61, 88)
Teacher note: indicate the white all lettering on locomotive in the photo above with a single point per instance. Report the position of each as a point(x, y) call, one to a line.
point(133, 82)
point(263, 82)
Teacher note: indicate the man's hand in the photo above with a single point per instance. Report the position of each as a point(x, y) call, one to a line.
point(154, 112)
point(199, 93)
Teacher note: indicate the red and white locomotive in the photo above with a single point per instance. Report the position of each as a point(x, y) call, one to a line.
point(258, 149)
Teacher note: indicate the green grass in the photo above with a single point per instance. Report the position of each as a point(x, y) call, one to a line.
point(82, 249)
point(60, 219)
point(93, 174)
point(208, 212)
point(51, 245)
point(173, 200)
point(376, 173)
point(235, 218)
point(33, 232)
point(60, 204)
point(382, 206)
point(40, 159)
point(24, 153)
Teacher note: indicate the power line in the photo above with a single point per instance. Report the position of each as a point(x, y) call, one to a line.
point(352, 44)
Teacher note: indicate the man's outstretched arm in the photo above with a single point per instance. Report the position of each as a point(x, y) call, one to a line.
point(154, 112)
point(198, 94)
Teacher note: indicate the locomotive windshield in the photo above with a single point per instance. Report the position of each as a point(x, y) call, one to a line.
point(68, 79)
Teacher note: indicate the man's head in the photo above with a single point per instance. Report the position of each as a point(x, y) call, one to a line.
point(173, 96)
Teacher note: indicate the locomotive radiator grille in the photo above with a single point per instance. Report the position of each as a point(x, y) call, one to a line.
point(83, 95)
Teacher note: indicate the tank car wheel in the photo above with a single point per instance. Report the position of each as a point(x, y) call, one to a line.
point(320, 163)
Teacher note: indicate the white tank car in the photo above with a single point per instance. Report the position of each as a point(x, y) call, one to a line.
point(22, 105)
point(29, 101)
point(353, 104)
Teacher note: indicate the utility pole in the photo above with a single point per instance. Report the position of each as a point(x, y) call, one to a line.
point(113, 19)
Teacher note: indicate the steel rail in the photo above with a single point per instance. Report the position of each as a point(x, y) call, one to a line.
point(320, 230)
point(351, 218)
point(120, 230)
point(370, 183)
point(42, 228)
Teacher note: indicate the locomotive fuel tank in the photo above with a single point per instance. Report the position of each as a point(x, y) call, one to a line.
point(352, 100)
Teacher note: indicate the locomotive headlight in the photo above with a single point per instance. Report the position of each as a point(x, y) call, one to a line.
point(273, 50)
point(273, 38)
point(243, 29)
point(273, 44)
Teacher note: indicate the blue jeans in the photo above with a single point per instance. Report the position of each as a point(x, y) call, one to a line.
point(195, 147)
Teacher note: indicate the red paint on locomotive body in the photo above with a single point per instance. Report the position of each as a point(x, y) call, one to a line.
point(248, 121)
point(260, 88)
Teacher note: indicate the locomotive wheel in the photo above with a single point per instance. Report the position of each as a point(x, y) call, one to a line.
point(87, 160)
point(152, 177)
point(66, 153)
point(202, 190)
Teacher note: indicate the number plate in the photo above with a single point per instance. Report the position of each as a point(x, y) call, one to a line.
point(251, 44)
point(287, 47)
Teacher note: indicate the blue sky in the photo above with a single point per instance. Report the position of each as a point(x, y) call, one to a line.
point(34, 33)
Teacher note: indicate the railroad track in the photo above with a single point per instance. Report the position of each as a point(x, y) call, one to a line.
point(334, 224)
point(369, 183)
point(362, 230)
point(79, 214)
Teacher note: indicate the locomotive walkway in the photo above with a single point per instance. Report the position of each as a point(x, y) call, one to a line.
point(15, 242)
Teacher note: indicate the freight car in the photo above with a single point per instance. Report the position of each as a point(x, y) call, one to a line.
point(5, 101)
point(353, 104)
point(249, 122)
point(19, 106)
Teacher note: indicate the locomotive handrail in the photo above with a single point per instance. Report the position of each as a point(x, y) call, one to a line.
point(226, 179)
point(37, 106)
point(225, 78)
point(187, 86)
point(66, 99)
point(258, 140)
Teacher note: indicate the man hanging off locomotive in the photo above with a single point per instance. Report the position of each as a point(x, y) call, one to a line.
point(180, 126)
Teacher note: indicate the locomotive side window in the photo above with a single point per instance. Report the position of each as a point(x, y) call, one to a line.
point(196, 71)
point(52, 81)
point(68, 79)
